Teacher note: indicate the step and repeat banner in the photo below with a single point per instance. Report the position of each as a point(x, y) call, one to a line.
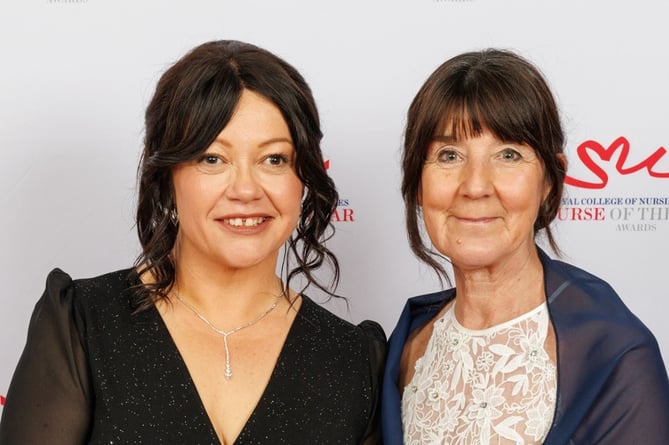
point(76, 76)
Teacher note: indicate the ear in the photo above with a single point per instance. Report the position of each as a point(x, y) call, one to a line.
point(562, 159)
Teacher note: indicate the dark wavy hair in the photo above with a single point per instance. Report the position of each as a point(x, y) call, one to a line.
point(194, 100)
point(491, 89)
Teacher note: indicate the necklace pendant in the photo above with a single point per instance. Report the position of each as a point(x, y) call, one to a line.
point(228, 369)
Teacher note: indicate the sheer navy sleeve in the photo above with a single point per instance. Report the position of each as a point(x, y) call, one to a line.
point(377, 352)
point(49, 398)
point(612, 382)
point(634, 404)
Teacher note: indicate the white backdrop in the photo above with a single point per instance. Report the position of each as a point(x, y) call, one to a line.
point(75, 77)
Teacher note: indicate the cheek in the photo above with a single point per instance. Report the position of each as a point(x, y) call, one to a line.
point(288, 193)
point(434, 198)
point(425, 189)
point(432, 224)
point(182, 186)
point(436, 191)
point(523, 195)
point(194, 194)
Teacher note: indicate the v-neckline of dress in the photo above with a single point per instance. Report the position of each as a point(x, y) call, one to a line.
point(271, 383)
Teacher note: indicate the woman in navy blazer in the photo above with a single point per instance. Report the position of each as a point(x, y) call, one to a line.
point(524, 348)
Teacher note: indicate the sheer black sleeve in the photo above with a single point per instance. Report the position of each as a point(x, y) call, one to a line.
point(49, 398)
point(376, 339)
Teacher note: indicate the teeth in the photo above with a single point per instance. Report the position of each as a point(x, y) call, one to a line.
point(245, 222)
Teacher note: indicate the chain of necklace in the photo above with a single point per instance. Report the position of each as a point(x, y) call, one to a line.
point(222, 333)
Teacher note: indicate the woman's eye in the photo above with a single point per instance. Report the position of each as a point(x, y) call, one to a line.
point(277, 160)
point(208, 159)
point(509, 154)
point(210, 163)
point(447, 156)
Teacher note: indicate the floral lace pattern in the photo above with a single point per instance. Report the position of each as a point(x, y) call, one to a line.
point(489, 387)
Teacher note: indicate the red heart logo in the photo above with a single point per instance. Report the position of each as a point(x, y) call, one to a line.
point(605, 154)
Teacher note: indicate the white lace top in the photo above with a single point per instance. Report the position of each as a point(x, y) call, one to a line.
point(489, 387)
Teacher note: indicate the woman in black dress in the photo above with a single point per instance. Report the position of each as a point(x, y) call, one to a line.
point(202, 342)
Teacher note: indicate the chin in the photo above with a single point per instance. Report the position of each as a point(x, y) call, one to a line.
point(473, 257)
point(241, 261)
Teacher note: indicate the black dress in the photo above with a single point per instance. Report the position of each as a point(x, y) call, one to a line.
point(94, 373)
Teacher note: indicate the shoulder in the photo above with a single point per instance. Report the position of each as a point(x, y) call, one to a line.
point(420, 309)
point(582, 289)
point(429, 303)
point(61, 279)
point(330, 329)
point(577, 297)
point(109, 282)
point(560, 277)
point(324, 320)
point(584, 280)
point(87, 295)
point(417, 312)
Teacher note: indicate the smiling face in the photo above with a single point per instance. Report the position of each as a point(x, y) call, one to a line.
point(240, 200)
point(480, 197)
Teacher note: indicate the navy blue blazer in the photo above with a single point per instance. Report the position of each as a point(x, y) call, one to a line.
point(612, 383)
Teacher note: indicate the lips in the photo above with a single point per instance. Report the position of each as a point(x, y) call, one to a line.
point(245, 221)
point(476, 220)
point(467, 216)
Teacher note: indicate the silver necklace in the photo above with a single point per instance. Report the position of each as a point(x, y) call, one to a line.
point(222, 333)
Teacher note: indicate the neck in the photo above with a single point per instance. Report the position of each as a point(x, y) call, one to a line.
point(227, 295)
point(489, 296)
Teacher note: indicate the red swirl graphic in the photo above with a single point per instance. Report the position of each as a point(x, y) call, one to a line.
point(621, 145)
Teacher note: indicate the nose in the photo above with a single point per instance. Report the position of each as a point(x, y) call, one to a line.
point(243, 184)
point(477, 178)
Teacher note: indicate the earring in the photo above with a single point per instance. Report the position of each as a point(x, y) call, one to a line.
point(174, 217)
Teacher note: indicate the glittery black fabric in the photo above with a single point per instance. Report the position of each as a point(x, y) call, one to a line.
point(93, 373)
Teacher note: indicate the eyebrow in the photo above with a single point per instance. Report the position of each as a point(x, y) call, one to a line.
point(445, 138)
point(263, 144)
point(448, 139)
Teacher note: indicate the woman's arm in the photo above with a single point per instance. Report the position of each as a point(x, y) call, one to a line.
point(378, 348)
point(634, 404)
point(49, 398)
